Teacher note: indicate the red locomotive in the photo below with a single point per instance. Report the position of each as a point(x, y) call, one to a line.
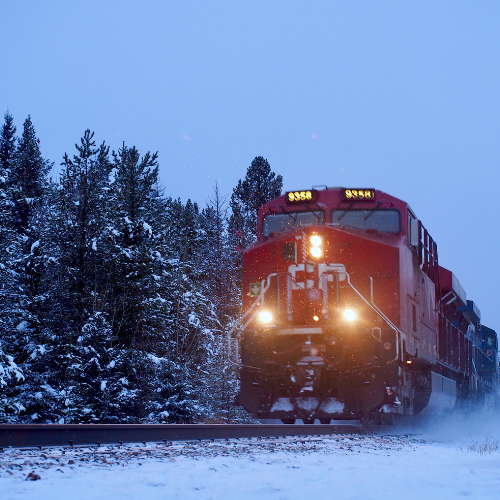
point(347, 314)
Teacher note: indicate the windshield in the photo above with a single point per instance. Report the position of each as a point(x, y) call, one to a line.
point(278, 223)
point(384, 221)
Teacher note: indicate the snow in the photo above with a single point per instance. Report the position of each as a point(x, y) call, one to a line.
point(155, 359)
point(49, 390)
point(35, 245)
point(413, 467)
point(193, 320)
point(23, 326)
point(331, 405)
point(282, 404)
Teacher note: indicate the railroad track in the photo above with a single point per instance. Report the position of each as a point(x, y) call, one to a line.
point(50, 435)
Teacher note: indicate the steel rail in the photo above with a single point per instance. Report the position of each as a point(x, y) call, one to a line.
point(51, 435)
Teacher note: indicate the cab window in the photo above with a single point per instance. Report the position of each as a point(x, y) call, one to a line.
point(384, 221)
point(279, 223)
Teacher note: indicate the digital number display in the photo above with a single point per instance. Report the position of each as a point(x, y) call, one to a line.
point(300, 196)
point(359, 194)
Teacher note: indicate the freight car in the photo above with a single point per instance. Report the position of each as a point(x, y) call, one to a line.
point(348, 315)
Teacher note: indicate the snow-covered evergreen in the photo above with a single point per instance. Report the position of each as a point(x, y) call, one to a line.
point(156, 388)
point(116, 302)
point(259, 186)
point(8, 241)
point(74, 284)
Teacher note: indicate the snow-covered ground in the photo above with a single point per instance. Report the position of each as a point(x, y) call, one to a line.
point(450, 460)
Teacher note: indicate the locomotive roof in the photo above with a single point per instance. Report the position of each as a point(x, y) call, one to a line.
point(330, 197)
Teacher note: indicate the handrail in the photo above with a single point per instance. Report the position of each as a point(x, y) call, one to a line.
point(381, 314)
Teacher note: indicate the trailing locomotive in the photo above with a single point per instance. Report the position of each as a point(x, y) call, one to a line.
point(347, 314)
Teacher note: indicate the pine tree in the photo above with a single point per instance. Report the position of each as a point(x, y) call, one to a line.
point(28, 190)
point(8, 253)
point(259, 186)
point(76, 282)
point(27, 187)
point(218, 374)
point(10, 373)
point(136, 203)
point(29, 177)
point(7, 235)
point(148, 380)
point(215, 265)
point(7, 150)
point(80, 221)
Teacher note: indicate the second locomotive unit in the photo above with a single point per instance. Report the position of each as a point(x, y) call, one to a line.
point(348, 314)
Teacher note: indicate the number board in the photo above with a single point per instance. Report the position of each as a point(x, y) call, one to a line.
point(300, 196)
point(358, 194)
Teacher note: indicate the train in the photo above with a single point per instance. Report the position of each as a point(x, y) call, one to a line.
point(347, 314)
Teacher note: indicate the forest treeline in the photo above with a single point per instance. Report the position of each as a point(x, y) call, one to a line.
point(116, 300)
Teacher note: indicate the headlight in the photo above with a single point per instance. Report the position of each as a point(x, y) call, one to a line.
point(265, 317)
point(316, 252)
point(349, 315)
point(315, 249)
point(316, 240)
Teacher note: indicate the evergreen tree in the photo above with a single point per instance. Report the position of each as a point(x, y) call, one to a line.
point(218, 374)
point(7, 153)
point(136, 204)
point(8, 253)
point(215, 262)
point(80, 222)
point(27, 187)
point(149, 382)
point(76, 286)
point(259, 186)
point(29, 177)
point(7, 235)
point(10, 374)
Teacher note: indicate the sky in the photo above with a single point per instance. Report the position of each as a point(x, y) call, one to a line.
point(396, 95)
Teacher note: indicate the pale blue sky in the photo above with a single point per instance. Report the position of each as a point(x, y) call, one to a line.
point(398, 95)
